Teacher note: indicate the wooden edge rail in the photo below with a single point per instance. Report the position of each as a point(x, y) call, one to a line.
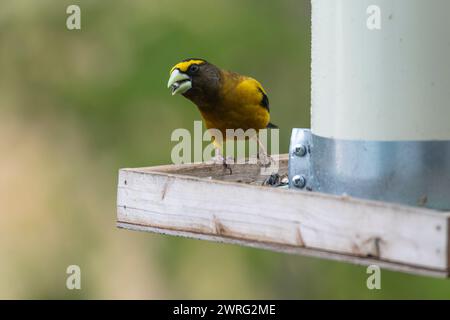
point(204, 201)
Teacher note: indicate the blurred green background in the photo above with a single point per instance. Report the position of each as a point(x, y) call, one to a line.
point(75, 106)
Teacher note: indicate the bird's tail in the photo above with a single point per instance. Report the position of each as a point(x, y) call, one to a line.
point(272, 126)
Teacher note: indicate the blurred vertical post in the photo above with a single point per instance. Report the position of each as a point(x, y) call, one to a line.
point(381, 69)
point(380, 102)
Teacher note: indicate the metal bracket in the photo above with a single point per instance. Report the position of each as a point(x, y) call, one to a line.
point(414, 173)
point(299, 168)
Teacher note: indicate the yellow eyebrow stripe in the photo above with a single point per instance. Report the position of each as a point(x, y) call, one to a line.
point(184, 66)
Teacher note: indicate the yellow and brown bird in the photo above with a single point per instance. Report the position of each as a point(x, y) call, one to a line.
point(225, 99)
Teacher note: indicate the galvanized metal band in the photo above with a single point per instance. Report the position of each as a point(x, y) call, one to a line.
point(414, 173)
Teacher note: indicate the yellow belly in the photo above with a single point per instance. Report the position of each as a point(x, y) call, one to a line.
point(240, 117)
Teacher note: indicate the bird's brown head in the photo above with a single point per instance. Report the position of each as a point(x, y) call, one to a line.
point(196, 79)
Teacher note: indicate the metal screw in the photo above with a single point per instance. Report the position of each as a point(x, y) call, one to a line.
point(299, 181)
point(300, 150)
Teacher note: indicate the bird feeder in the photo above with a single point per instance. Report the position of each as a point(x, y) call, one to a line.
point(380, 103)
point(380, 131)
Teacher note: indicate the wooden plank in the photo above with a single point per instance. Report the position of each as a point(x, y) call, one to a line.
point(362, 261)
point(206, 202)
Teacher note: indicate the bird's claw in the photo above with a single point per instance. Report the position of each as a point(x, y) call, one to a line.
point(264, 160)
point(226, 162)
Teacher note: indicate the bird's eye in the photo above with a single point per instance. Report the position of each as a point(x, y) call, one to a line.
point(194, 68)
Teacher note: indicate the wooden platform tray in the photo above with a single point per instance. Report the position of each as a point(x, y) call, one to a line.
point(205, 202)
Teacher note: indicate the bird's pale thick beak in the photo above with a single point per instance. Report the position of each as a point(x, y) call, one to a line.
point(179, 82)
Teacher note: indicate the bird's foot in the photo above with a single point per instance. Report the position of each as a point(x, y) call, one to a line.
point(217, 159)
point(264, 160)
point(226, 162)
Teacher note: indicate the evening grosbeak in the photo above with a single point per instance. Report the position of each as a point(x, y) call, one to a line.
point(225, 99)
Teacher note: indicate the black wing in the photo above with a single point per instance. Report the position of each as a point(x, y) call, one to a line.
point(265, 100)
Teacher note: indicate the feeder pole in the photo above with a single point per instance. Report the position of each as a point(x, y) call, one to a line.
point(380, 110)
point(389, 83)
